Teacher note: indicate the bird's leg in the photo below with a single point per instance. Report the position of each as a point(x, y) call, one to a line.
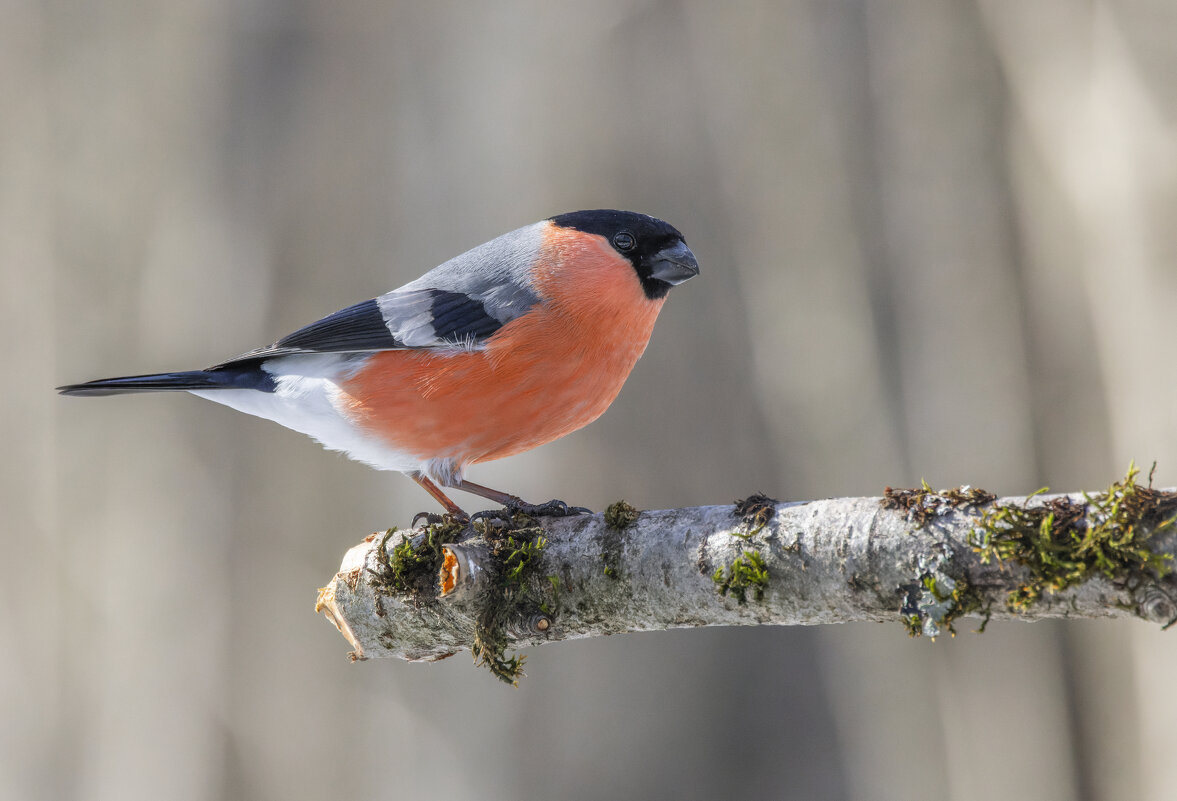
point(439, 496)
point(516, 504)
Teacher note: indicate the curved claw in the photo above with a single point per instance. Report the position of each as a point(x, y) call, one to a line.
point(430, 518)
point(503, 515)
point(434, 519)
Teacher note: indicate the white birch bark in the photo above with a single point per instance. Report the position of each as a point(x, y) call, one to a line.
point(828, 561)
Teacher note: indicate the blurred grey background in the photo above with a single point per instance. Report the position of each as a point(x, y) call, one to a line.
point(937, 241)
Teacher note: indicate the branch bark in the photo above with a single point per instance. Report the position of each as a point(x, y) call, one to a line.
point(916, 557)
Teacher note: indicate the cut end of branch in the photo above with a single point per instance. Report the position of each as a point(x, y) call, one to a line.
point(327, 602)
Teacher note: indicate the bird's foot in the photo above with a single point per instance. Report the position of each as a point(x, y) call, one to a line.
point(552, 508)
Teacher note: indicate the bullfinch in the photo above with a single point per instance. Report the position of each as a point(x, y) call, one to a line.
point(508, 346)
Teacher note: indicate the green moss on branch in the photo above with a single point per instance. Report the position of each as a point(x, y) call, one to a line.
point(1063, 542)
point(518, 592)
point(746, 573)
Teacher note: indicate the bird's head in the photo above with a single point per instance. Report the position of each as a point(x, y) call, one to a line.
point(656, 249)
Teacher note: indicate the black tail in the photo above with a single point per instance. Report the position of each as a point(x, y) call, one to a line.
point(240, 375)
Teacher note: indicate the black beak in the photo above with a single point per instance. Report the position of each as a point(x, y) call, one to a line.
point(674, 264)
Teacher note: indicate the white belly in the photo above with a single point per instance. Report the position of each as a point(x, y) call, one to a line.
point(307, 400)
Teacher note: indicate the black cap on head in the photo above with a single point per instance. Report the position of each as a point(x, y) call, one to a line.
point(656, 249)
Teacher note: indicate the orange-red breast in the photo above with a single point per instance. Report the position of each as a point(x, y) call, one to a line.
point(512, 344)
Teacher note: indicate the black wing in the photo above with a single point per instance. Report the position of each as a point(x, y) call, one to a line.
point(356, 328)
point(418, 318)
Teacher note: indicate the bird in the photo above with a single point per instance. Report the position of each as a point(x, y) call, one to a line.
point(508, 346)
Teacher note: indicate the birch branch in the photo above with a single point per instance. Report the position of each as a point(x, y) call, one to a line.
point(920, 558)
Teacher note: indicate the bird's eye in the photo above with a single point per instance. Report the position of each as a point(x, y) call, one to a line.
point(623, 240)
